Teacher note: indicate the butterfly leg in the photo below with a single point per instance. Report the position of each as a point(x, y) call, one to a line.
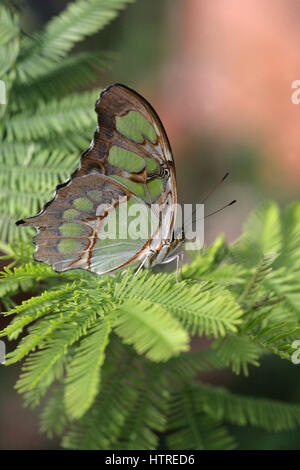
point(179, 265)
point(148, 255)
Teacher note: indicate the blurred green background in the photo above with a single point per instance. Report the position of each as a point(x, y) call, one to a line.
point(219, 75)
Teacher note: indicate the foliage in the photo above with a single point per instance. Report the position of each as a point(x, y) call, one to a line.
point(46, 124)
point(109, 357)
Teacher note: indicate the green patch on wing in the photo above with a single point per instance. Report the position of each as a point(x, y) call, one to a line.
point(152, 165)
point(148, 193)
point(83, 204)
point(137, 188)
point(126, 160)
point(70, 214)
point(95, 195)
point(155, 188)
point(71, 229)
point(134, 126)
point(68, 245)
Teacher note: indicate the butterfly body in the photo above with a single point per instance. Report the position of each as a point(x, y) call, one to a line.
point(128, 163)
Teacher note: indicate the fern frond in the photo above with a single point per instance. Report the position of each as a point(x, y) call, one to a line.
point(74, 72)
point(72, 113)
point(261, 236)
point(151, 330)
point(202, 307)
point(284, 282)
point(191, 429)
point(34, 308)
point(264, 234)
point(189, 364)
point(9, 39)
point(251, 291)
point(207, 265)
point(53, 418)
point(223, 405)
point(238, 352)
point(290, 254)
point(83, 372)
point(49, 372)
point(24, 278)
point(23, 167)
point(45, 365)
point(19, 252)
point(79, 20)
point(15, 199)
point(29, 271)
point(71, 142)
point(36, 337)
point(127, 420)
point(265, 332)
point(277, 338)
point(8, 229)
point(147, 417)
point(205, 261)
point(101, 426)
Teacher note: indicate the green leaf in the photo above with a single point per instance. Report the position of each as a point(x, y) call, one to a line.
point(191, 429)
point(147, 417)
point(262, 235)
point(72, 113)
point(74, 72)
point(102, 424)
point(203, 307)
point(83, 372)
point(237, 351)
point(47, 364)
point(290, 255)
point(251, 291)
point(241, 410)
point(189, 364)
point(80, 19)
point(9, 39)
point(34, 308)
point(205, 262)
point(53, 416)
point(151, 330)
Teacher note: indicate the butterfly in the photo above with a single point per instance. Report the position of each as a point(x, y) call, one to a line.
point(129, 162)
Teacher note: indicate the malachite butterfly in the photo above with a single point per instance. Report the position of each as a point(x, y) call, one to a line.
point(128, 164)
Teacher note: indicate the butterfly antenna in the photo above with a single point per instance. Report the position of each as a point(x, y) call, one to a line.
point(214, 188)
point(221, 208)
point(207, 196)
point(211, 191)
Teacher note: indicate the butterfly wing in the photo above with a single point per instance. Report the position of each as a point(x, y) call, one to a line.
point(129, 158)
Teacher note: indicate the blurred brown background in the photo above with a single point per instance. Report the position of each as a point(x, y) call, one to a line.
point(219, 73)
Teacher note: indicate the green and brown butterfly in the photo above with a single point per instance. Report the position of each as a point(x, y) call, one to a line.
point(129, 161)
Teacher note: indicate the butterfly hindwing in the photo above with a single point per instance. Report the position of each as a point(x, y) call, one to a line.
point(75, 230)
